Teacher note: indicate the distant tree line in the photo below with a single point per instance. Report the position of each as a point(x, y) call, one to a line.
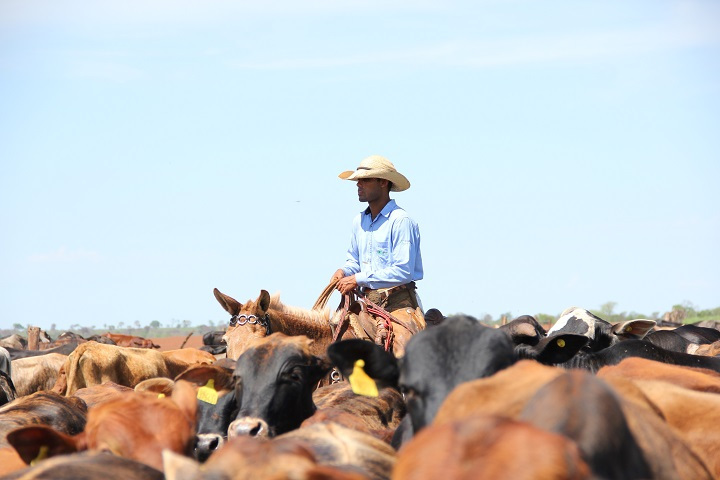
point(154, 329)
point(685, 312)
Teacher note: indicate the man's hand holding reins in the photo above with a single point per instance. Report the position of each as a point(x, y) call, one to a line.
point(346, 284)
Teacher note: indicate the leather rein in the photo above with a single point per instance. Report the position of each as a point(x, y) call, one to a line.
point(373, 309)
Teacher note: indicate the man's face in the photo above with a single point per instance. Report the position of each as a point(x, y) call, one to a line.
point(370, 189)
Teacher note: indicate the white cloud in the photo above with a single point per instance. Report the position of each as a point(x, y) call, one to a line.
point(63, 255)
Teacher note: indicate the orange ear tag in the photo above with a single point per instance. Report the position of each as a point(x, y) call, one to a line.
point(208, 394)
point(360, 382)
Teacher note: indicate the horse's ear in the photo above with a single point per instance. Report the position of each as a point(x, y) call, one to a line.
point(230, 305)
point(263, 301)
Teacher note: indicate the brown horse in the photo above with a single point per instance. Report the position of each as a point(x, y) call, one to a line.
point(265, 315)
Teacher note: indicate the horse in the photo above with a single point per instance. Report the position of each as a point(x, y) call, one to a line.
point(267, 314)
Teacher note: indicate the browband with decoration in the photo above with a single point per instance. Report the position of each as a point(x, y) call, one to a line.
point(242, 319)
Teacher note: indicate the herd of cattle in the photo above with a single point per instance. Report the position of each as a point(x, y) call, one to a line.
point(585, 399)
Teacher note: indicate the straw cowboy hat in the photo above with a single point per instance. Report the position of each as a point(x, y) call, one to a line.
point(376, 166)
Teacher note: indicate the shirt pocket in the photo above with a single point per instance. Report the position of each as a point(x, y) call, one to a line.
point(381, 252)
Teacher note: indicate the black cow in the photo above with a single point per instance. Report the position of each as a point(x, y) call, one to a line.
point(101, 339)
point(614, 354)
point(698, 335)
point(214, 349)
point(601, 333)
point(66, 349)
point(274, 382)
point(214, 414)
point(669, 340)
point(438, 359)
point(214, 338)
point(7, 389)
point(525, 329)
point(268, 393)
point(213, 342)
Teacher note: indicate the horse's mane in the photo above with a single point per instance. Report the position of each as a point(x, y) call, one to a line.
point(314, 316)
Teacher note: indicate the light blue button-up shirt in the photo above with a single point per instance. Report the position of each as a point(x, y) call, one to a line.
point(384, 252)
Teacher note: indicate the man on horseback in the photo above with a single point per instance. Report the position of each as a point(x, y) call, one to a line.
point(383, 261)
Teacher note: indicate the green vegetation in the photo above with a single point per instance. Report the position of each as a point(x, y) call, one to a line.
point(681, 313)
point(685, 312)
point(154, 329)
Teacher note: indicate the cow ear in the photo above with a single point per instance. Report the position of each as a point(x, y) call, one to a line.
point(184, 396)
point(380, 365)
point(39, 442)
point(179, 467)
point(636, 329)
point(230, 305)
point(221, 377)
point(263, 301)
point(155, 386)
point(554, 349)
point(319, 367)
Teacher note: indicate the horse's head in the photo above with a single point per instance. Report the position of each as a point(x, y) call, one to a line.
point(248, 323)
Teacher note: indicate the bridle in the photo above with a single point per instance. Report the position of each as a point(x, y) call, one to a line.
point(242, 319)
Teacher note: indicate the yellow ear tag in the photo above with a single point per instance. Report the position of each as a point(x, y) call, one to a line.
point(560, 343)
point(360, 382)
point(161, 395)
point(628, 328)
point(42, 455)
point(208, 394)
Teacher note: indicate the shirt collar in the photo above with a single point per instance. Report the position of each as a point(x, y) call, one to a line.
point(385, 212)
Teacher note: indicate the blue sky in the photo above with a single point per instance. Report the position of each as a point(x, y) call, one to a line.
point(560, 153)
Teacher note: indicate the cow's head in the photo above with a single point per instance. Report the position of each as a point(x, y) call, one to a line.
point(524, 330)
point(274, 380)
point(248, 322)
point(216, 406)
point(436, 360)
point(600, 333)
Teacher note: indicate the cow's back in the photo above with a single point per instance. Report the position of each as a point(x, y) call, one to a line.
point(95, 363)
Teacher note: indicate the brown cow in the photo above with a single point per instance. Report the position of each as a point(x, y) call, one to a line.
point(489, 447)
point(686, 398)
point(98, 394)
point(509, 391)
point(94, 364)
point(134, 426)
point(130, 340)
point(10, 461)
point(34, 374)
point(14, 341)
point(181, 359)
point(335, 445)
point(709, 350)
point(87, 466)
point(250, 458)
point(378, 416)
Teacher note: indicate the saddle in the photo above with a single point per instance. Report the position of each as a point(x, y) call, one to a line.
point(371, 321)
